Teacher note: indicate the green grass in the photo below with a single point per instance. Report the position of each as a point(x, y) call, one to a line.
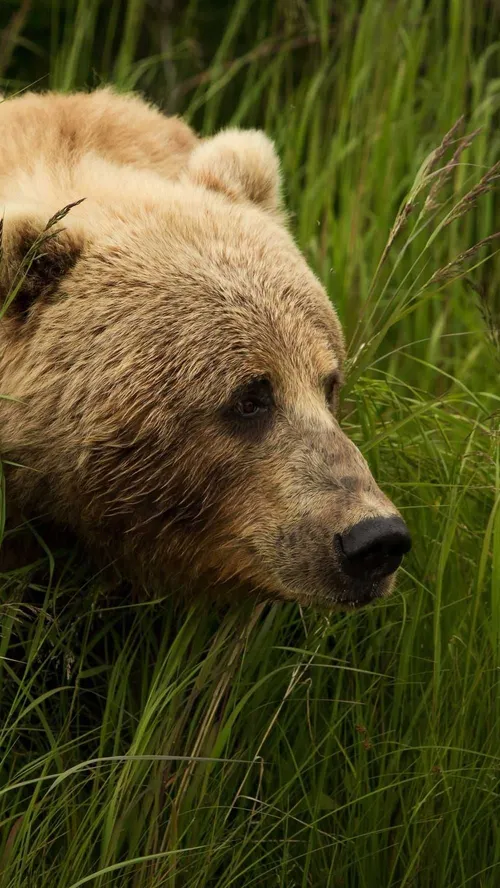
point(143, 747)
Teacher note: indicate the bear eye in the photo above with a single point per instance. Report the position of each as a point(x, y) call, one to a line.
point(252, 400)
point(249, 406)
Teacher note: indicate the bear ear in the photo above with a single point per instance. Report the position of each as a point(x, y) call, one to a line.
point(36, 253)
point(242, 164)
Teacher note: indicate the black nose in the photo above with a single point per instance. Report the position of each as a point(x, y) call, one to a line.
point(374, 547)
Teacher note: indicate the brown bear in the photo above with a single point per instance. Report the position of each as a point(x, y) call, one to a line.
point(169, 364)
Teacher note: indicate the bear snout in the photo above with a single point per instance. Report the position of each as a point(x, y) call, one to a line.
point(351, 568)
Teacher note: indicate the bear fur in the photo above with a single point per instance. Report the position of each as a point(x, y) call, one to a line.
point(169, 364)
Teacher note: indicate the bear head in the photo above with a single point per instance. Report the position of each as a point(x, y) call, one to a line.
point(174, 367)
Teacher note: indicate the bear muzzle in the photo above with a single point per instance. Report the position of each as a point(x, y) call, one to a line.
point(351, 568)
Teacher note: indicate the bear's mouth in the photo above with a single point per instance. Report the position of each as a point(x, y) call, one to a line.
point(344, 596)
point(329, 587)
point(365, 594)
point(358, 593)
point(319, 582)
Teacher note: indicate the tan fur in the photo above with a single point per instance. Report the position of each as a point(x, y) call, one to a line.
point(174, 282)
point(241, 164)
